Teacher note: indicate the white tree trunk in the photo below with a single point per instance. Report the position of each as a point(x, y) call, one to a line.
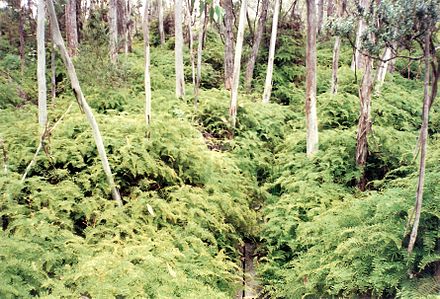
point(358, 57)
point(59, 42)
point(191, 49)
point(178, 50)
point(113, 29)
point(41, 68)
point(311, 114)
point(161, 29)
point(335, 65)
point(382, 71)
point(273, 39)
point(146, 28)
point(202, 30)
point(237, 64)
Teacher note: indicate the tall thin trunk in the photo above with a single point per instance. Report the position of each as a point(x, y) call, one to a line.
point(320, 7)
point(202, 31)
point(311, 114)
point(228, 6)
point(146, 25)
point(41, 66)
point(130, 23)
point(273, 39)
point(191, 49)
point(423, 146)
point(161, 29)
point(237, 64)
point(178, 50)
point(121, 11)
point(256, 45)
point(21, 33)
point(364, 124)
point(336, 50)
point(357, 62)
point(382, 71)
point(53, 78)
point(71, 27)
point(330, 8)
point(59, 42)
point(113, 30)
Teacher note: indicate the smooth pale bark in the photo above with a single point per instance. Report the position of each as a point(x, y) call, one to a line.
point(229, 42)
point(191, 49)
point(237, 63)
point(336, 50)
point(71, 27)
point(113, 30)
point(423, 146)
point(178, 50)
point(364, 124)
point(146, 27)
point(41, 66)
point(84, 106)
point(311, 114)
point(256, 45)
point(320, 8)
point(357, 62)
point(201, 36)
point(161, 29)
point(273, 39)
point(382, 71)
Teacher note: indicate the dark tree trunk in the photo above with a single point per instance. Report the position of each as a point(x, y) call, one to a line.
point(229, 41)
point(71, 27)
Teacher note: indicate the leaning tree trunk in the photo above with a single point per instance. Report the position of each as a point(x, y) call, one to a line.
point(113, 30)
point(146, 28)
point(84, 106)
point(273, 39)
point(357, 62)
point(237, 64)
point(41, 66)
point(256, 45)
point(228, 6)
point(423, 145)
point(201, 36)
point(71, 27)
point(364, 124)
point(160, 17)
point(311, 114)
point(178, 49)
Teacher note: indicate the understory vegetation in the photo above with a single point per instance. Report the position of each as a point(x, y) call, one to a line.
point(194, 189)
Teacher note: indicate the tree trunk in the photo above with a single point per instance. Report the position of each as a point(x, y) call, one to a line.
point(336, 49)
point(191, 50)
point(53, 67)
point(320, 8)
point(330, 8)
point(21, 36)
point(423, 145)
point(256, 45)
point(84, 106)
point(357, 62)
point(113, 30)
point(79, 20)
point(146, 25)
point(237, 64)
point(178, 50)
point(71, 27)
point(129, 28)
point(382, 71)
point(364, 124)
point(202, 31)
point(273, 39)
point(229, 42)
point(41, 66)
point(311, 115)
point(122, 24)
point(161, 30)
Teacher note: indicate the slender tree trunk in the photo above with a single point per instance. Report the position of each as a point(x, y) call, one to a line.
point(21, 36)
point(71, 27)
point(53, 76)
point(336, 50)
point(237, 64)
point(229, 42)
point(113, 29)
point(191, 50)
point(146, 25)
point(84, 106)
point(273, 39)
point(364, 124)
point(357, 62)
point(330, 8)
point(41, 66)
point(423, 146)
point(161, 29)
point(180, 80)
point(382, 71)
point(79, 20)
point(130, 23)
point(311, 114)
point(256, 45)
point(320, 7)
point(202, 31)
point(122, 24)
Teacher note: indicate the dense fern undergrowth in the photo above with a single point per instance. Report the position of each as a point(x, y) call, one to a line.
point(193, 194)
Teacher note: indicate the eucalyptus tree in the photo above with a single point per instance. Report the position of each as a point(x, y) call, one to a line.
point(341, 4)
point(41, 65)
point(178, 49)
point(71, 27)
point(160, 22)
point(357, 62)
point(83, 105)
point(228, 7)
point(113, 30)
point(147, 81)
point(273, 39)
point(201, 36)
